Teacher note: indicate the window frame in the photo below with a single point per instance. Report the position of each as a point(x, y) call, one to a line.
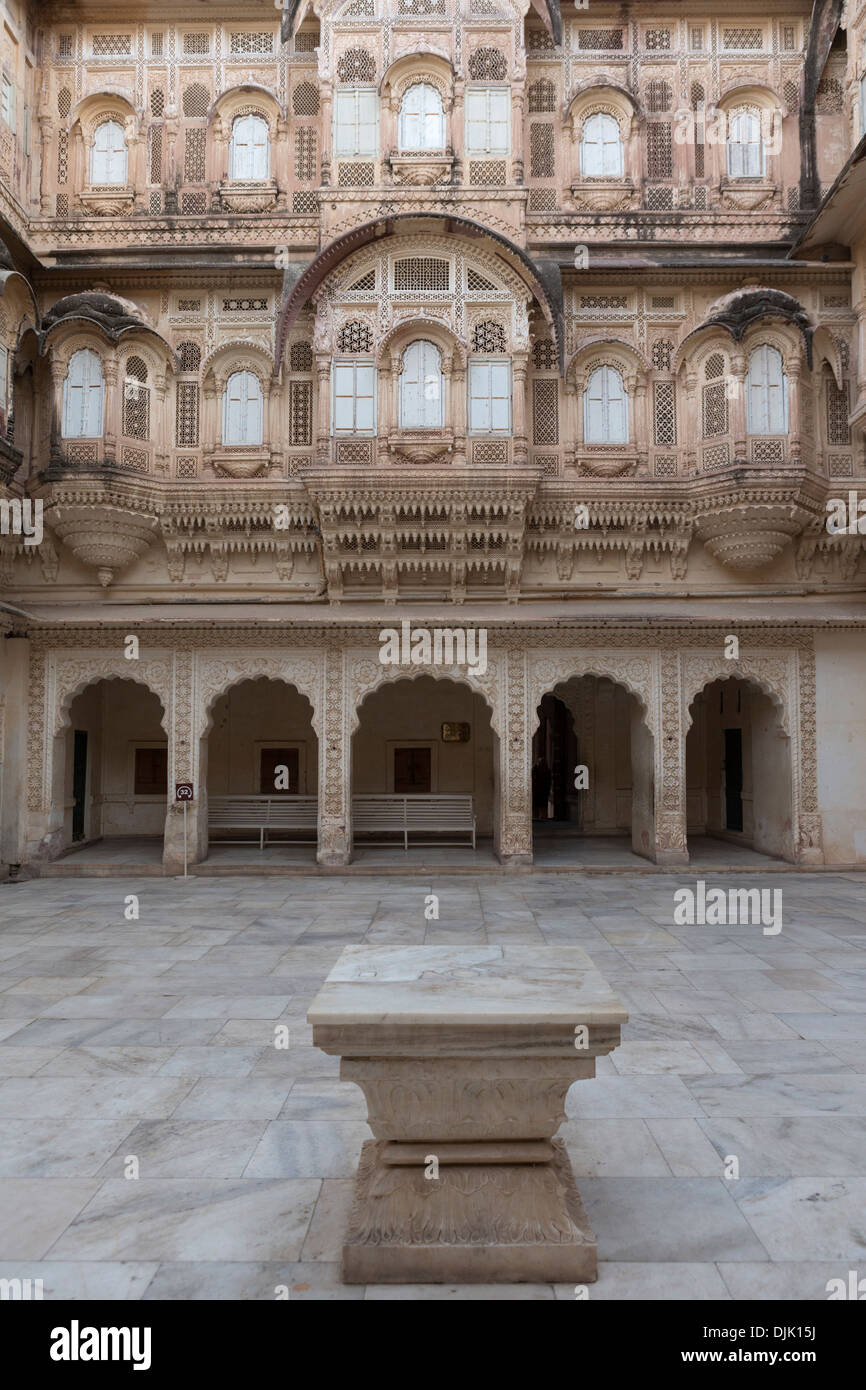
point(487, 151)
point(489, 361)
point(85, 398)
point(606, 368)
point(250, 148)
point(244, 443)
point(423, 424)
point(619, 173)
point(8, 102)
point(766, 403)
point(740, 113)
point(341, 99)
point(403, 146)
point(340, 363)
point(109, 155)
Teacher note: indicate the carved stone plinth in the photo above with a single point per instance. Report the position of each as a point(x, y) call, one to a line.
point(465, 1057)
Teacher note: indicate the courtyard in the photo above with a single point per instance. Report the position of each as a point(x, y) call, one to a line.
point(155, 1143)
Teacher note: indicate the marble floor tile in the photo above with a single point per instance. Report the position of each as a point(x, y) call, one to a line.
point(33, 1213)
point(659, 1281)
point(325, 1148)
point(683, 1220)
point(85, 1280)
point(184, 1220)
point(806, 1218)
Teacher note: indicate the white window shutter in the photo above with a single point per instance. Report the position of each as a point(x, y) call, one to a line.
point(431, 386)
point(479, 397)
point(500, 119)
point(345, 122)
point(591, 161)
point(617, 407)
point(260, 148)
point(757, 394)
point(233, 410)
point(500, 396)
point(94, 396)
point(736, 161)
point(344, 397)
point(612, 160)
point(476, 121)
point(411, 404)
point(368, 122)
point(365, 399)
point(595, 408)
point(777, 394)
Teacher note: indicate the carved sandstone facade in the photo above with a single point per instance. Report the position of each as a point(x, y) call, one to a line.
point(408, 308)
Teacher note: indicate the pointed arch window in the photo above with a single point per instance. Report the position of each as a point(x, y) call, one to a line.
point(83, 396)
point(601, 152)
point(109, 158)
point(746, 155)
point(242, 410)
point(766, 392)
point(422, 119)
point(422, 394)
point(605, 408)
point(249, 155)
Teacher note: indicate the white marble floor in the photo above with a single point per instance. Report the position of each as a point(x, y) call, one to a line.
point(153, 1040)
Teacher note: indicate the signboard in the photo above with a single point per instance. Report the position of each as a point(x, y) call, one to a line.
point(183, 791)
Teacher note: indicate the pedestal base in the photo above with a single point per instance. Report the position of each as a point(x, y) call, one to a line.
point(473, 1224)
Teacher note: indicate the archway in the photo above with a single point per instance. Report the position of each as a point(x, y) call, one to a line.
point(260, 753)
point(738, 771)
point(427, 737)
point(111, 771)
point(592, 774)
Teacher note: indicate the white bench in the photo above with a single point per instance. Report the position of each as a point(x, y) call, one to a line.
point(418, 813)
point(262, 813)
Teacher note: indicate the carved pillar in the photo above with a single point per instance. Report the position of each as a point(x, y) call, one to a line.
point(113, 407)
point(458, 135)
point(521, 439)
point(326, 94)
point(794, 407)
point(642, 421)
point(514, 838)
point(517, 135)
point(671, 845)
point(187, 762)
point(737, 405)
point(456, 388)
point(570, 424)
point(46, 162)
point(335, 764)
point(692, 432)
point(387, 417)
point(323, 407)
point(58, 376)
point(211, 427)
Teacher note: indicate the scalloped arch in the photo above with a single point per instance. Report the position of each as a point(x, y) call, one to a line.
point(451, 675)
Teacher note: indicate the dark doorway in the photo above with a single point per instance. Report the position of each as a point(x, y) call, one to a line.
point(411, 770)
point(554, 754)
point(272, 758)
point(733, 779)
point(79, 783)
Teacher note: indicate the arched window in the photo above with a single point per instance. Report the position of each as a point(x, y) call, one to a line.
point(766, 393)
point(421, 388)
point(249, 154)
point(422, 119)
point(108, 158)
point(745, 146)
point(242, 409)
point(601, 154)
point(605, 408)
point(83, 396)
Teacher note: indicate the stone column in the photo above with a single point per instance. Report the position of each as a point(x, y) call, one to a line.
point(326, 94)
point(456, 387)
point(794, 436)
point(187, 762)
point(521, 439)
point(323, 407)
point(692, 432)
point(737, 405)
point(514, 839)
point(517, 135)
point(335, 764)
point(671, 846)
point(570, 424)
point(13, 749)
point(113, 408)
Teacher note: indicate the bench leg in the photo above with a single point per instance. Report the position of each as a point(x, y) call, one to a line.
point(261, 837)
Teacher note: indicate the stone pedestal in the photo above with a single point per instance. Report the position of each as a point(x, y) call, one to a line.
point(465, 1056)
